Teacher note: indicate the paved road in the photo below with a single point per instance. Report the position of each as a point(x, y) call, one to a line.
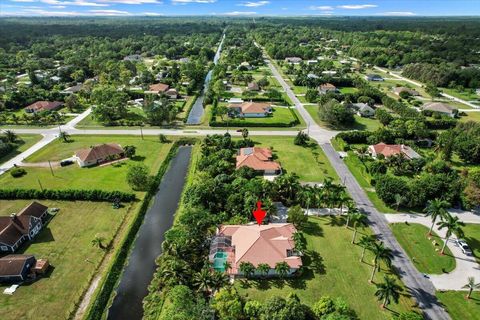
point(419, 84)
point(466, 266)
point(420, 287)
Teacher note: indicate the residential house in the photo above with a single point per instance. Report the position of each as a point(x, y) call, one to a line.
point(329, 72)
point(294, 60)
point(441, 107)
point(133, 58)
point(98, 154)
point(40, 106)
point(73, 89)
point(253, 86)
point(245, 65)
point(250, 110)
point(259, 159)
point(326, 88)
point(158, 88)
point(269, 244)
point(388, 150)
point(363, 109)
point(373, 77)
point(16, 268)
point(23, 226)
point(312, 76)
point(235, 101)
point(172, 93)
point(310, 62)
point(399, 90)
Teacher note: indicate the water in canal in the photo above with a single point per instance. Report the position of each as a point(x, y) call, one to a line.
point(139, 271)
point(196, 112)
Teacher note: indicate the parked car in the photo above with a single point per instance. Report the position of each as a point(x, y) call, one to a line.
point(64, 163)
point(464, 246)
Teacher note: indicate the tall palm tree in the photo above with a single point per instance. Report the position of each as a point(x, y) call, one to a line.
point(436, 209)
point(218, 280)
point(388, 290)
point(399, 199)
point(263, 268)
point(245, 133)
point(471, 285)
point(343, 199)
point(381, 253)
point(358, 219)
point(306, 196)
point(454, 226)
point(174, 271)
point(203, 280)
point(10, 136)
point(352, 210)
point(299, 242)
point(98, 242)
point(64, 136)
point(366, 242)
point(282, 269)
point(247, 268)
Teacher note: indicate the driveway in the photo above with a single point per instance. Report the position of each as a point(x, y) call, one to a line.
point(465, 266)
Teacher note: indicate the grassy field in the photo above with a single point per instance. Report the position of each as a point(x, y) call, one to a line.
point(460, 308)
point(66, 243)
point(360, 122)
point(28, 140)
point(332, 268)
point(413, 238)
point(472, 236)
point(465, 95)
point(471, 116)
point(110, 177)
point(309, 163)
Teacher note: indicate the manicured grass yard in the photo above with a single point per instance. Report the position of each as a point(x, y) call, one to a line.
point(413, 239)
point(471, 116)
point(110, 177)
point(309, 163)
point(332, 268)
point(66, 243)
point(460, 308)
point(361, 123)
point(472, 236)
point(281, 116)
point(28, 140)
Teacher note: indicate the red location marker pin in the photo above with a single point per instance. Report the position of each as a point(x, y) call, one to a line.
point(259, 214)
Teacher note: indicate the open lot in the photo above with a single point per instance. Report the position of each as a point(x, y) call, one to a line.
point(66, 243)
point(361, 123)
point(281, 117)
point(309, 163)
point(460, 308)
point(332, 268)
point(27, 140)
point(420, 249)
point(472, 236)
point(110, 177)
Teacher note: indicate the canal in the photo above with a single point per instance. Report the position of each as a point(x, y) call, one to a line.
point(196, 113)
point(139, 271)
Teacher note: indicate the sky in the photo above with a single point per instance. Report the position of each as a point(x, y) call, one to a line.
point(239, 8)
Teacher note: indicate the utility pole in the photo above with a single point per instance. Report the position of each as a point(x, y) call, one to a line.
point(41, 187)
point(51, 169)
point(141, 132)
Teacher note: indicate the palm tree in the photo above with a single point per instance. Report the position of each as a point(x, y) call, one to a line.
point(282, 269)
point(381, 253)
point(10, 136)
point(263, 268)
point(352, 210)
point(436, 209)
point(245, 133)
point(454, 226)
point(343, 199)
point(247, 268)
point(174, 271)
point(388, 290)
point(98, 242)
point(64, 136)
point(218, 280)
point(471, 285)
point(227, 266)
point(306, 196)
point(299, 242)
point(358, 219)
point(366, 242)
point(203, 280)
point(399, 199)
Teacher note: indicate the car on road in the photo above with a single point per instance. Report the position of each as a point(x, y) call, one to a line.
point(464, 246)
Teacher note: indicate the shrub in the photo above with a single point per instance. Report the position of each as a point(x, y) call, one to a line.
point(66, 194)
point(17, 172)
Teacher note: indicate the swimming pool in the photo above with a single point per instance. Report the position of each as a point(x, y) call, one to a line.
point(219, 261)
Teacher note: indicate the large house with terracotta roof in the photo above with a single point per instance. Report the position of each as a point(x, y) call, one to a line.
point(98, 154)
point(257, 244)
point(388, 150)
point(326, 88)
point(259, 159)
point(250, 110)
point(20, 227)
point(40, 106)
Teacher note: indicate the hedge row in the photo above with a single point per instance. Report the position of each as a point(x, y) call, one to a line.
point(399, 108)
point(67, 194)
point(100, 303)
point(354, 136)
point(440, 124)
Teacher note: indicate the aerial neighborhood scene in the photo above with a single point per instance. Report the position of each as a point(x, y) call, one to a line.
point(239, 160)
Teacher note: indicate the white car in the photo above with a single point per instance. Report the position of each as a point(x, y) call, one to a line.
point(464, 246)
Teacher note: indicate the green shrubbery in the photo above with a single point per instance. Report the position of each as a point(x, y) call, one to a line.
point(17, 172)
point(67, 194)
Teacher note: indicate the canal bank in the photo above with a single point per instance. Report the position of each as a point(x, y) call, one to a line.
point(138, 273)
point(196, 112)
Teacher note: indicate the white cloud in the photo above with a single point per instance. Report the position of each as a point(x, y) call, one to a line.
point(58, 7)
point(42, 12)
point(22, 0)
point(398, 13)
point(152, 14)
point(239, 13)
point(253, 3)
point(192, 1)
point(79, 3)
point(109, 12)
point(357, 6)
point(132, 1)
point(321, 8)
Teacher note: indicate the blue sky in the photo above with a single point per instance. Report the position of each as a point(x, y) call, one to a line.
point(238, 7)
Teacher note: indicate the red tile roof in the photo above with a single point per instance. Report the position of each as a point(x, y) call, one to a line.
point(159, 87)
point(257, 158)
point(44, 106)
point(251, 107)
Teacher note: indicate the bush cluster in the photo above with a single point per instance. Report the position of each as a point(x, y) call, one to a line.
point(67, 194)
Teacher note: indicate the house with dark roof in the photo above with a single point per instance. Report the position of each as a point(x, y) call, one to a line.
point(43, 106)
point(374, 77)
point(16, 268)
point(98, 154)
point(21, 227)
point(399, 90)
point(259, 159)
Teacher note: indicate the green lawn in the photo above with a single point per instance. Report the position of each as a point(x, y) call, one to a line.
point(361, 123)
point(346, 90)
point(27, 140)
point(472, 236)
point(413, 239)
point(460, 308)
point(111, 177)
point(471, 116)
point(332, 268)
point(309, 163)
point(465, 95)
point(66, 243)
point(281, 116)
